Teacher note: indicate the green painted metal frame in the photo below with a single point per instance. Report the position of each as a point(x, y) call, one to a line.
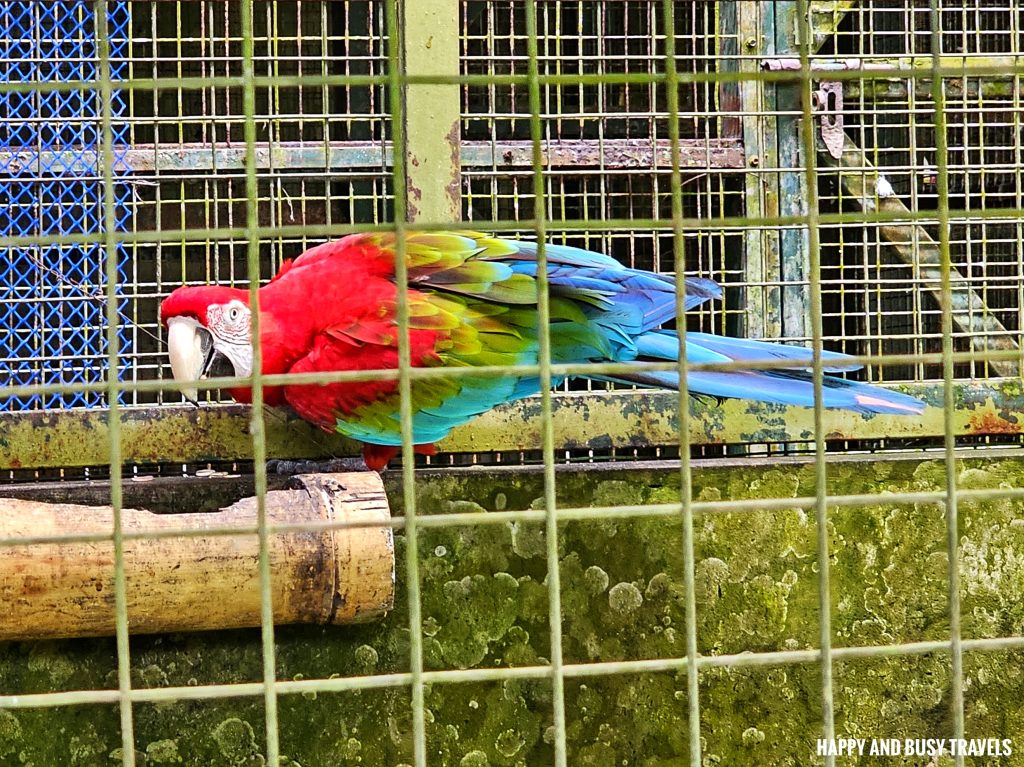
point(600, 420)
point(432, 111)
point(785, 99)
point(826, 16)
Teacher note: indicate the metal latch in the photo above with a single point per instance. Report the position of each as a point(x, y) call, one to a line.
point(826, 101)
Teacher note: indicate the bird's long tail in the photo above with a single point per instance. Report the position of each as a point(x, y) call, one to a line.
point(788, 386)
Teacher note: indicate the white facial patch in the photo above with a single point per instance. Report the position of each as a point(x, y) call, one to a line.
point(231, 327)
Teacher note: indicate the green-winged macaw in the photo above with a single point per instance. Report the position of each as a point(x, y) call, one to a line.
point(472, 301)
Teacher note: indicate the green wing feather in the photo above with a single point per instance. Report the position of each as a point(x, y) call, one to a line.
point(485, 314)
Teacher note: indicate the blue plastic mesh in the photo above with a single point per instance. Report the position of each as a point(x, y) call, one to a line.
point(52, 297)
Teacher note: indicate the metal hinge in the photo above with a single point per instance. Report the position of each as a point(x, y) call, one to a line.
point(826, 101)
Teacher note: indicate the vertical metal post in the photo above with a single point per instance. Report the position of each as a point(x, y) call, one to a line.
point(952, 500)
point(811, 236)
point(257, 427)
point(795, 259)
point(554, 578)
point(430, 47)
point(685, 472)
point(748, 29)
point(420, 195)
point(113, 389)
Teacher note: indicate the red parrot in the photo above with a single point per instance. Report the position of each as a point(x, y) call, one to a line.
point(472, 301)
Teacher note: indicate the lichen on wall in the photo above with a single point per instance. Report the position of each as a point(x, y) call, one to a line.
point(485, 605)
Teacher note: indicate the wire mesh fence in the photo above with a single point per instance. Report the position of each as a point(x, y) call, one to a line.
point(147, 145)
point(52, 307)
point(183, 162)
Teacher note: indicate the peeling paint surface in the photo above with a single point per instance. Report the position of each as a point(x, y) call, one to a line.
point(345, 155)
point(172, 434)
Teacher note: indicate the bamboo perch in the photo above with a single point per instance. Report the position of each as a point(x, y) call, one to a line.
point(200, 580)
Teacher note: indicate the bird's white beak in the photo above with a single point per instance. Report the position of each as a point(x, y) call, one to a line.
point(189, 346)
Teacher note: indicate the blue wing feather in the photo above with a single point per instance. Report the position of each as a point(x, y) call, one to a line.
point(626, 306)
point(788, 386)
point(600, 311)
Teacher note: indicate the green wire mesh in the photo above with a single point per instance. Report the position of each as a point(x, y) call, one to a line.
point(654, 131)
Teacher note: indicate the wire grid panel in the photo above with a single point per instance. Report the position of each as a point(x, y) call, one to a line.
point(880, 294)
point(610, 135)
point(607, 142)
point(52, 324)
point(554, 669)
point(330, 167)
point(321, 148)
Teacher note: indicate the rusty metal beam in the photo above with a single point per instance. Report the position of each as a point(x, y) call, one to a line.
point(719, 154)
point(918, 67)
point(179, 434)
point(883, 78)
point(170, 494)
point(153, 435)
point(695, 154)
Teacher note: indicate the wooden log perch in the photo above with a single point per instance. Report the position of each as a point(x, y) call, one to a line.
point(200, 579)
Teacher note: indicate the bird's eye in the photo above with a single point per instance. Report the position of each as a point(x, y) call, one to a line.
point(233, 314)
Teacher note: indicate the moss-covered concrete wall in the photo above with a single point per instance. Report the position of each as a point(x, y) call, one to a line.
point(485, 606)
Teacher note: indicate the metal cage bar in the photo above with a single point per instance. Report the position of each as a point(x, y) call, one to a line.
point(810, 239)
point(601, 130)
point(111, 265)
point(951, 502)
point(337, 147)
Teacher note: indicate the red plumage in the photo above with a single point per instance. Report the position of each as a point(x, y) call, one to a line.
point(331, 309)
